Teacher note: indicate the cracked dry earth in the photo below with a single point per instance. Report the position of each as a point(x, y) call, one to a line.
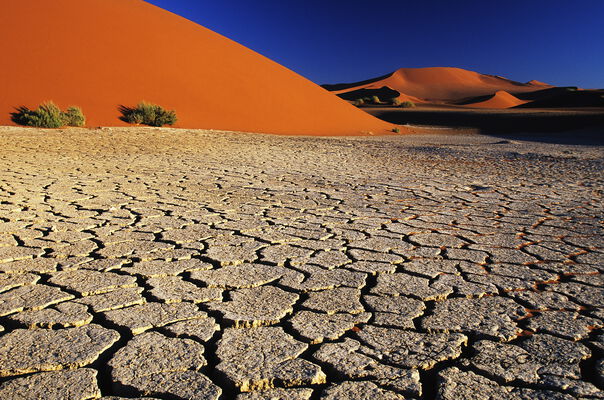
point(203, 265)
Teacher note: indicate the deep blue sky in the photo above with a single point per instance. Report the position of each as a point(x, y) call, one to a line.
point(560, 42)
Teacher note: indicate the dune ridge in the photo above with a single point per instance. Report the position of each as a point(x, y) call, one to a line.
point(99, 54)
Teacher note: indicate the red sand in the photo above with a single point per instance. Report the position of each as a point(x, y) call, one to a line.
point(99, 54)
point(501, 99)
point(441, 84)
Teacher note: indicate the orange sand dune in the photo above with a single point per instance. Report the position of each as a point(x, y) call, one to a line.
point(405, 97)
point(99, 54)
point(501, 99)
point(442, 84)
point(538, 83)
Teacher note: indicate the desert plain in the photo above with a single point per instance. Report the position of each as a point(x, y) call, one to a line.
point(190, 264)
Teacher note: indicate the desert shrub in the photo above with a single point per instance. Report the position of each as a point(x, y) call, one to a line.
point(407, 104)
point(148, 114)
point(395, 102)
point(375, 100)
point(74, 116)
point(396, 130)
point(48, 115)
point(359, 102)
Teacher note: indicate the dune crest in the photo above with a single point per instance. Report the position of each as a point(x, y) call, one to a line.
point(538, 83)
point(99, 54)
point(501, 99)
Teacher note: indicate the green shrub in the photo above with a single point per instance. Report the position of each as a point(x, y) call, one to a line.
point(396, 130)
point(395, 102)
point(359, 102)
point(74, 117)
point(148, 114)
point(407, 104)
point(375, 100)
point(48, 115)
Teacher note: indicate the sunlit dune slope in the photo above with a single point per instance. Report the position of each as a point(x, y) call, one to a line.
point(501, 99)
point(442, 84)
point(99, 54)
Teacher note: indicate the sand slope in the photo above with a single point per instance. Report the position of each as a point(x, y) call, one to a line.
point(501, 99)
point(443, 84)
point(99, 54)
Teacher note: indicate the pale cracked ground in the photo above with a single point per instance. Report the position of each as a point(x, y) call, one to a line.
point(191, 265)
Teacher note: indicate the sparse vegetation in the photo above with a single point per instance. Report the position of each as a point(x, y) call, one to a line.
point(395, 102)
point(148, 114)
point(396, 130)
point(74, 116)
point(359, 102)
point(49, 115)
point(407, 104)
point(375, 100)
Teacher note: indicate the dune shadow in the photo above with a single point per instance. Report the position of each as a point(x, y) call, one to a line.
point(384, 93)
point(583, 137)
point(551, 126)
point(125, 111)
point(19, 116)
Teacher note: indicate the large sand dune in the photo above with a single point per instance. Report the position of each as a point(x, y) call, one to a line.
point(99, 54)
point(442, 84)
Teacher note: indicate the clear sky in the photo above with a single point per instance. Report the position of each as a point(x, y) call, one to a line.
point(560, 42)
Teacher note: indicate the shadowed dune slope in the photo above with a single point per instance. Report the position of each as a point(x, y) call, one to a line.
point(99, 54)
point(569, 99)
point(501, 99)
point(384, 94)
point(444, 84)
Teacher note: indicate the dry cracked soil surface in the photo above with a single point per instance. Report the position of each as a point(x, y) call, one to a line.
point(154, 263)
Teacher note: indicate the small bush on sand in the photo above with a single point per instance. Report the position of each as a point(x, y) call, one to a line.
point(359, 102)
point(48, 115)
point(407, 104)
point(375, 100)
point(395, 102)
point(148, 114)
point(74, 116)
point(396, 130)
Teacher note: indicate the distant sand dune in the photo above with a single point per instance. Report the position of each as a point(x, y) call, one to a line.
point(99, 54)
point(442, 84)
point(501, 99)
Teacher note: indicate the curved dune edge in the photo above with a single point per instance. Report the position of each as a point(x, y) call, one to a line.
point(405, 97)
point(444, 84)
point(99, 54)
point(501, 100)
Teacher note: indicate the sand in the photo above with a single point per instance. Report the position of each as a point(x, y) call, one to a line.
point(99, 54)
point(181, 264)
